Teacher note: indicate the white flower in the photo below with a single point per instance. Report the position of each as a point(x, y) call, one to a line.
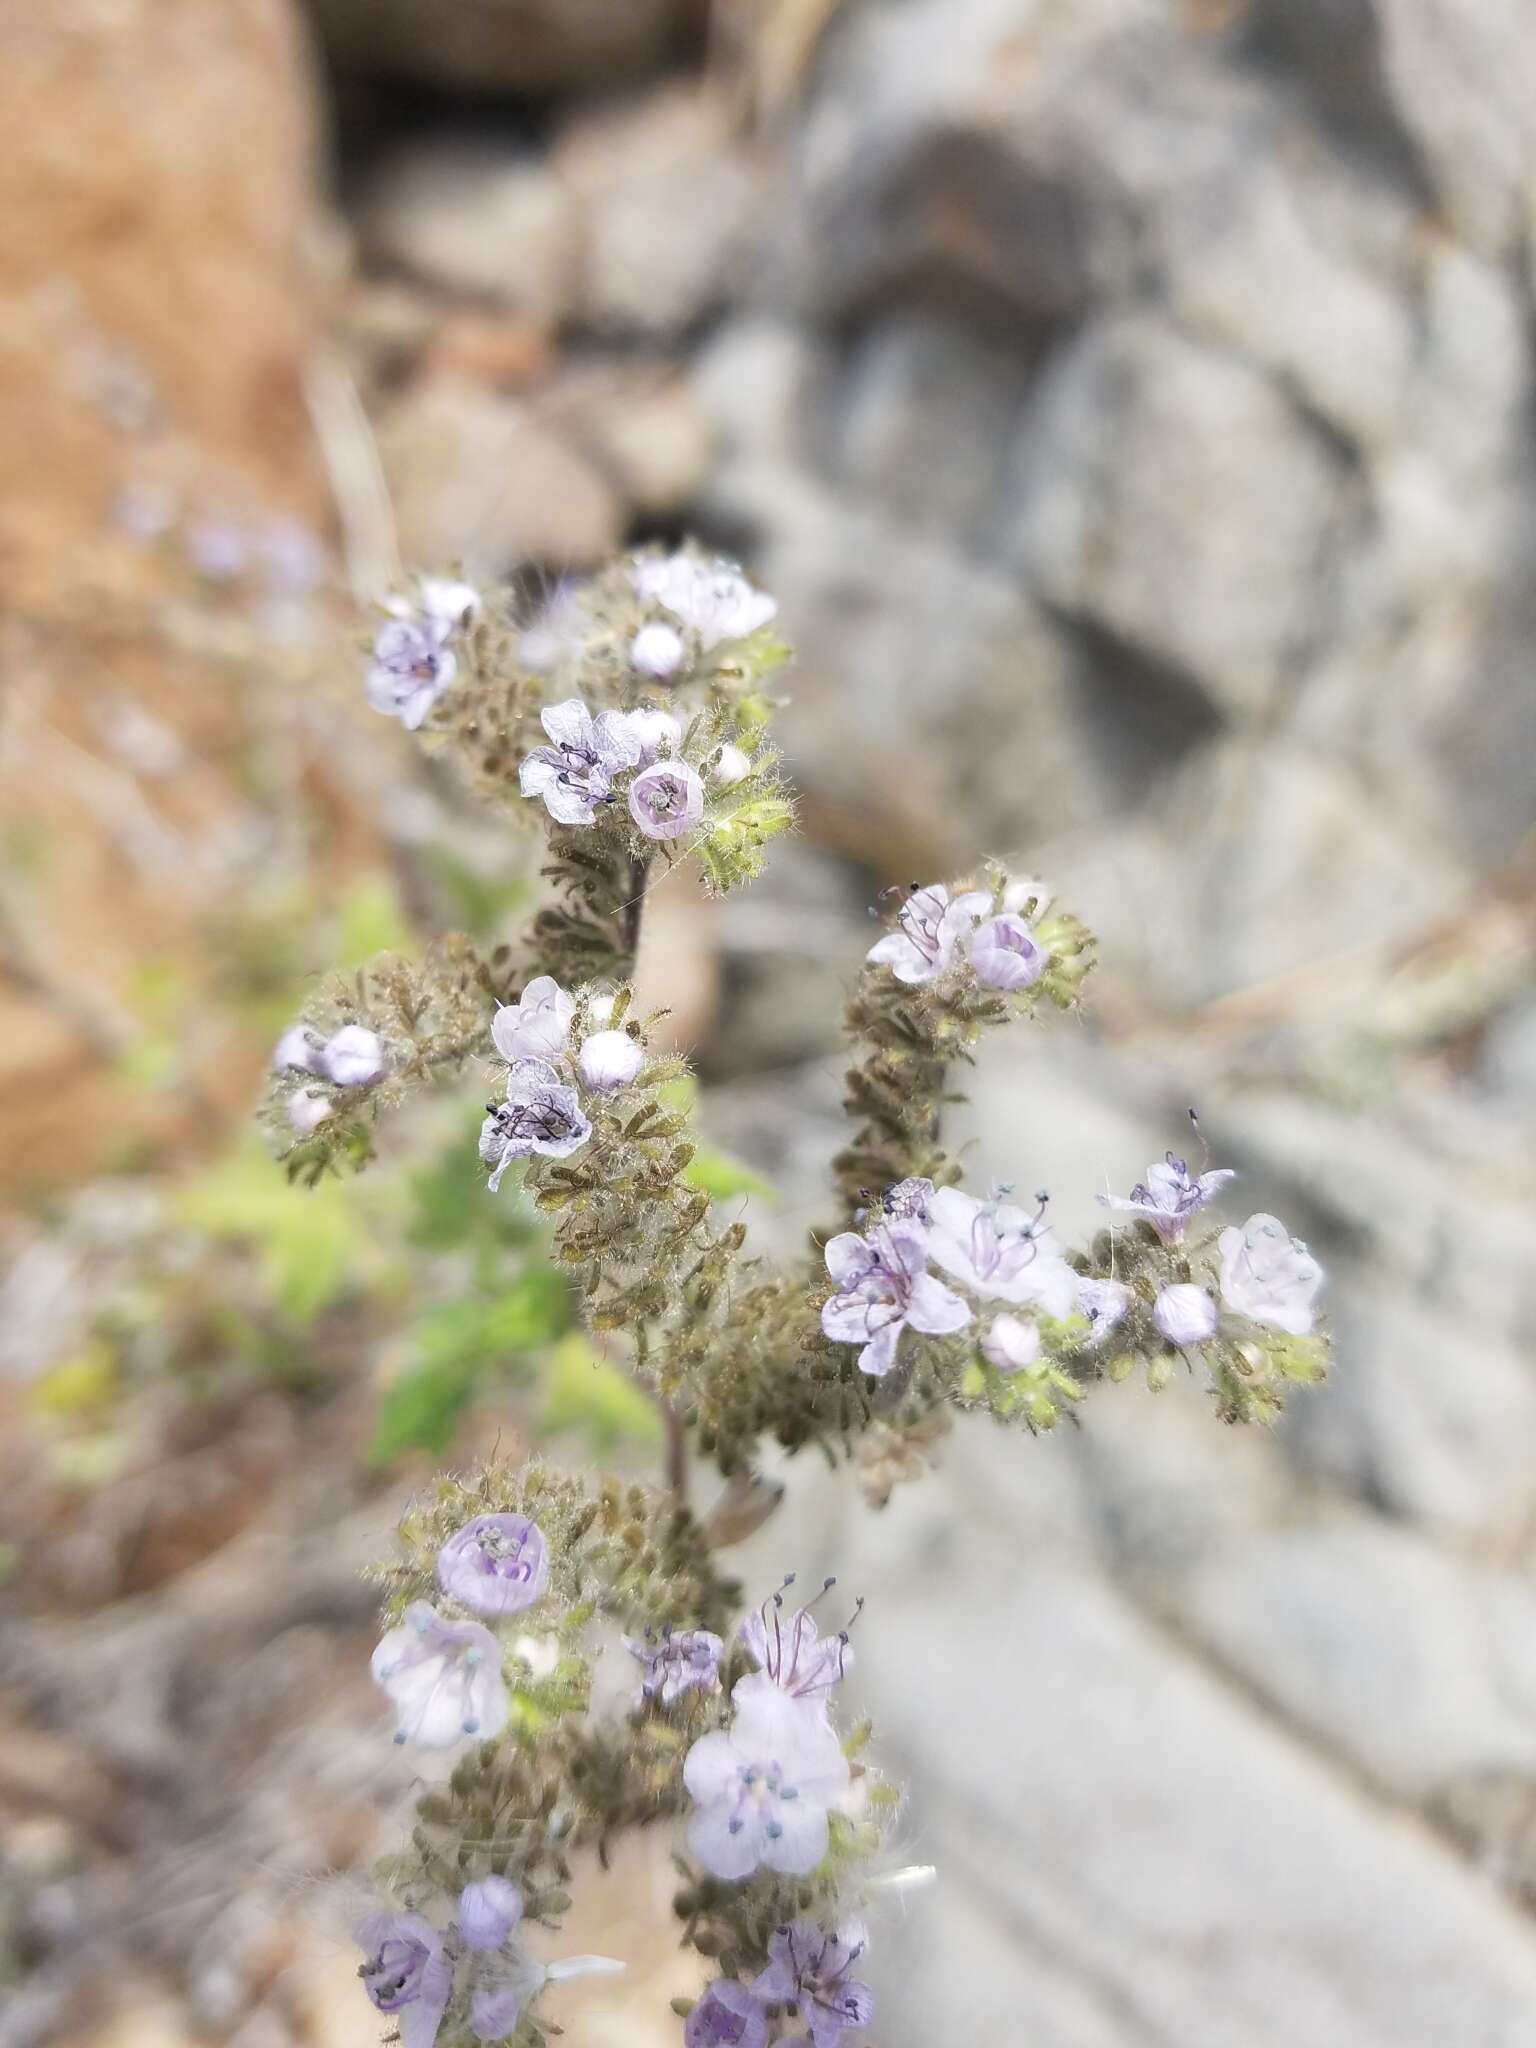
point(308, 1108)
point(1268, 1275)
point(929, 928)
point(353, 1057)
point(763, 1788)
point(1011, 1345)
point(297, 1051)
point(1001, 1252)
point(883, 1284)
point(1185, 1315)
point(731, 766)
point(657, 650)
point(574, 774)
point(1104, 1303)
point(1026, 897)
point(537, 1025)
point(1171, 1196)
point(444, 1678)
point(610, 1060)
point(452, 606)
point(713, 598)
point(541, 1114)
point(657, 731)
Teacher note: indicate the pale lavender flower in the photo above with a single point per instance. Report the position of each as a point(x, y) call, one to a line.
point(792, 1655)
point(730, 766)
point(537, 1025)
point(494, 2010)
point(298, 1051)
point(763, 1787)
point(610, 1060)
point(354, 1057)
point(883, 1283)
point(412, 666)
point(658, 732)
point(810, 1970)
point(929, 928)
point(1269, 1276)
point(444, 1678)
point(1006, 954)
point(657, 650)
point(1011, 1344)
point(1170, 1196)
point(575, 773)
point(219, 547)
point(727, 2016)
point(666, 799)
point(677, 1661)
point(307, 1110)
point(541, 1114)
point(407, 1974)
point(1002, 1252)
point(488, 1911)
point(295, 562)
point(1104, 1303)
point(1185, 1315)
point(910, 1199)
point(713, 599)
point(496, 1564)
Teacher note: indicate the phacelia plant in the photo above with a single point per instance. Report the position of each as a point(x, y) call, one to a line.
point(631, 725)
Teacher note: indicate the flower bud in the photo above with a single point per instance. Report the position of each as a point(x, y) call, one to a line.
point(1012, 1344)
point(657, 651)
point(488, 1912)
point(610, 1060)
point(354, 1057)
point(1185, 1315)
point(731, 766)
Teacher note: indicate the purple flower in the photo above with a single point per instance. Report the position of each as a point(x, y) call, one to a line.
point(1268, 1275)
point(1185, 1315)
point(1170, 1196)
point(220, 548)
point(763, 1788)
point(413, 662)
point(1104, 1303)
point(1006, 954)
point(537, 1025)
point(1012, 1344)
point(883, 1283)
point(809, 1969)
point(929, 927)
point(541, 1114)
point(443, 1676)
point(496, 1564)
point(657, 650)
point(678, 1661)
point(495, 2009)
point(911, 1198)
point(406, 1974)
point(714, 599)
point(488, 1912)
point(610, 1060)
point(575, 773)
point(792, 1655)
point(727, 2016)
point(666, 799)
point(1002, 1252)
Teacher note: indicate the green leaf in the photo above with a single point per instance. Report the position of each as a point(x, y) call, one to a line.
point(312, 1243)
point(370, 921)
point(588, 1394)
point(720, 1176)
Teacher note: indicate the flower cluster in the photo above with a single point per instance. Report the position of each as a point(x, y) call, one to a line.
point(352, 1057)
point(542, 1112)
point(764, 1790)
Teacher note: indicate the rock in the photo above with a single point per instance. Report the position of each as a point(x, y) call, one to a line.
point(486, 482)
point(1136, 506)
point(651, 435)
point(1451, 87)
point(667, 196)
point(475, 216)
point(502, 46)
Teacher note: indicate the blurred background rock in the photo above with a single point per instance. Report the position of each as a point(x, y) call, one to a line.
point(1130, 403)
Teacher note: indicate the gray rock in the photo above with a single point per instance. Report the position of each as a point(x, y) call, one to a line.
point(1172, 496)
point(479, 217)
point(667, 197)
point(489, 483)
point(501, 46)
